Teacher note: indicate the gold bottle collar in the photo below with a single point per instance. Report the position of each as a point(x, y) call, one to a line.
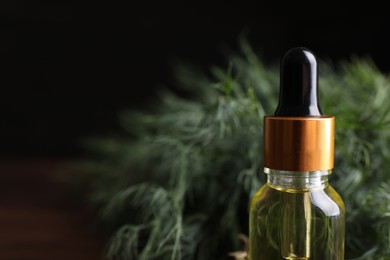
point(299, 143)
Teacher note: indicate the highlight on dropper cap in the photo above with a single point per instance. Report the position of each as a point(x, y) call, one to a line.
point(298, 84)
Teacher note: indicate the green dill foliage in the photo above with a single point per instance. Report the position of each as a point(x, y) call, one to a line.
point(178, 183)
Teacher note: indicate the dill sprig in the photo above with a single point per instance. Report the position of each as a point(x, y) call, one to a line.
point(177, 183)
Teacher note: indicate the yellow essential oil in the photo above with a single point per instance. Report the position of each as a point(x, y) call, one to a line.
point(297, 221)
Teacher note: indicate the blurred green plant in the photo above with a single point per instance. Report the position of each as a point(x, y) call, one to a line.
point(178, 183)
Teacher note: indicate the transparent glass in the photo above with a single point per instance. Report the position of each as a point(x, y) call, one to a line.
point(297, 215)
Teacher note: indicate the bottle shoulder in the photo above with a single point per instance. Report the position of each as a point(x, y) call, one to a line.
point(326, 199)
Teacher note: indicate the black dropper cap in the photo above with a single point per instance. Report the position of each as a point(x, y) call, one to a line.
point(298, 84)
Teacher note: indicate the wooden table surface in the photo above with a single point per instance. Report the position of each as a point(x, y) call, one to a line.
point(36, 219)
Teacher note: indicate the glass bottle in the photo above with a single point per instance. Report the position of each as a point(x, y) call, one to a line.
point(297, 214)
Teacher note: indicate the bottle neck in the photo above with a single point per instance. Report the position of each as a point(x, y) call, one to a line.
point(297, 181)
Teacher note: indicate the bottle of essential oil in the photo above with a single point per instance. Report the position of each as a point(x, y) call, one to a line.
point(297, 214)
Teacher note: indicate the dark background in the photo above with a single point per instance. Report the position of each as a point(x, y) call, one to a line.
point(66, 71)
